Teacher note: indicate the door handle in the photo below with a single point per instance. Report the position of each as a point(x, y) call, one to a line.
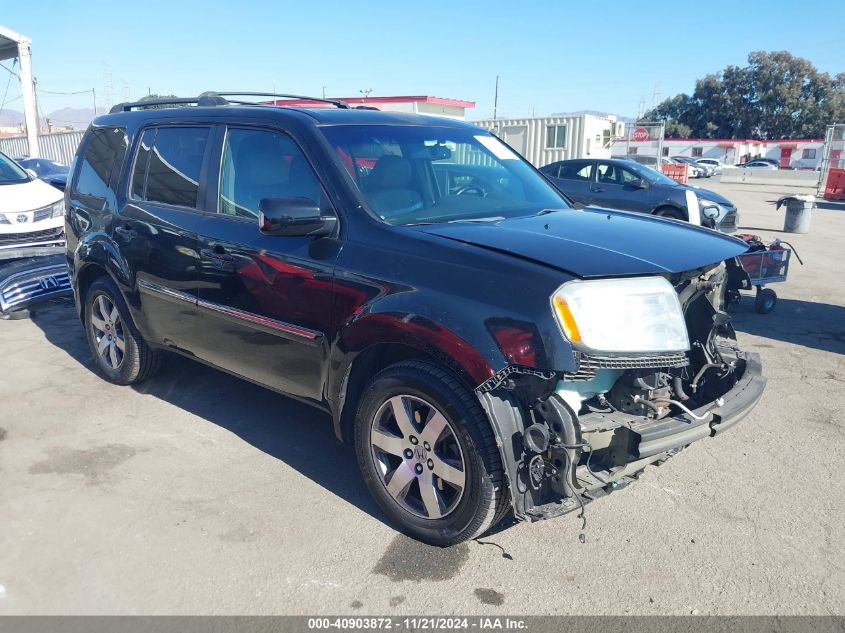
point(126, 233)
point(217, 254)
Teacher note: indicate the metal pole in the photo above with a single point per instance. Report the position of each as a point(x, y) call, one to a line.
point(94, 92)
point(496, 98)
point(30, 108)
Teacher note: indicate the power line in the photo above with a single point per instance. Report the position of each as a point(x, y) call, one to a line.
point(9, 81)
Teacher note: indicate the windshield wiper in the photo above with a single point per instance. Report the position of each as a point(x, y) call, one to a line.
point(489, 219)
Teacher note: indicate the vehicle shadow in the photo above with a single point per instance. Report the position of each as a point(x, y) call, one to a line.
point(816, 325)
point(297, 434)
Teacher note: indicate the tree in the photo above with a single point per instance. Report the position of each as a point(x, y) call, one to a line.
point(159, 98)
point(776, 96)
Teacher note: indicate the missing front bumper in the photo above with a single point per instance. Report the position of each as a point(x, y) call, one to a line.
point(631, 443)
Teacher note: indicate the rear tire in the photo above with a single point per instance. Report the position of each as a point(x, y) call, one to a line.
point(416, 422)
point(120, 354)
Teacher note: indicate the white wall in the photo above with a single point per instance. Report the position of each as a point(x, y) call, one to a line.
point(731, 155)
point(528, 136)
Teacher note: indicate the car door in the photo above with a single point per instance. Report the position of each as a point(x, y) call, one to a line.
point(156, 230)
point(266, 301)
point(616, 187)
point(574, 178)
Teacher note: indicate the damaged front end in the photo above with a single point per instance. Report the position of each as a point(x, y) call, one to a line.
point(574, 436)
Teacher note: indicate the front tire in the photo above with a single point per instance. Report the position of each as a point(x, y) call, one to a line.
point(428, 454)
point(668, 212)
point(120, 354)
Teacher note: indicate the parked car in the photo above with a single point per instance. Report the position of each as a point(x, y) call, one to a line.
point(713, 163)
point(31, 236)
point(758, 164)
point(629, 186)
point(483, 346)
point(696, 170)
point(42, 167)
point(49, 171)
point(31, 213)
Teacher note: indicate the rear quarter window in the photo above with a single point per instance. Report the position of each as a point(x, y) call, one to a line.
point(100, 164)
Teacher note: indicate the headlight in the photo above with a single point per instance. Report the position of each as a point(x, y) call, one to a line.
point(621, 315)
point(58, 209)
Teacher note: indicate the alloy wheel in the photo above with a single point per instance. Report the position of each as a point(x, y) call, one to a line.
point(418, 457)
point(107, 330)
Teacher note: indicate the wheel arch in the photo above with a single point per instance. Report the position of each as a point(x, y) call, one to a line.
point(668, 206)
point(370, 361)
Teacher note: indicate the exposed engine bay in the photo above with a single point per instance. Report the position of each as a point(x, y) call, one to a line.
point(594, 430)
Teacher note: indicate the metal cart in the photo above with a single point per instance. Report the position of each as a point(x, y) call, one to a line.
point(767, 266)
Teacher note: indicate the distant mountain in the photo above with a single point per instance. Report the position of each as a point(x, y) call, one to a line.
point(78, 118)
point(624, 119)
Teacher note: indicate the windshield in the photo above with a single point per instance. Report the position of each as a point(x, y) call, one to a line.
point(422, 175)
point(651, 175)
point(10, 172)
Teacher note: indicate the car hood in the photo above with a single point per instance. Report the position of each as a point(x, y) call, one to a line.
point(27, 196)
point(706, 194)
point(597, 242)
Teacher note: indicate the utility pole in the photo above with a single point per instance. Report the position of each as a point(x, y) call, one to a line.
point(94, 93)
point(366, 92)
point(108, 85)
point(496, 98)
point(324, 92)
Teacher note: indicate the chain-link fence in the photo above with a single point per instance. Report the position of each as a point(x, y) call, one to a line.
point(643, 142)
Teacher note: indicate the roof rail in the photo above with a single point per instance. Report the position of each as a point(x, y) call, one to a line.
point(335, 102)
point(210, 98)
point(207, 98)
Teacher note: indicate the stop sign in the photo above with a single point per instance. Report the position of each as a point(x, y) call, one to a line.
point(640, 134)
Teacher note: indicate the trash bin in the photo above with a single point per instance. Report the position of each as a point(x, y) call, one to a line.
point(798, 212)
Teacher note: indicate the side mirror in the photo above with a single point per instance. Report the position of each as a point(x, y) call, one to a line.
point(32, 173)
point(638, 183)
point(293, 217)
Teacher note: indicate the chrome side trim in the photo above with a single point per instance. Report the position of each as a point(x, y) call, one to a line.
point(166, 292)
point(256, 319)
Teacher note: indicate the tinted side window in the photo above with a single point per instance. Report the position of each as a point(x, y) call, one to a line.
point(551, 170)
point(576, 171)
point(104, 154)
point(262, 164)
point(142, 159)
point(173, 173)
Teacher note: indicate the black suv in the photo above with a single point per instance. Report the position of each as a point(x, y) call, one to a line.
point(619, 183)
point(483, 346)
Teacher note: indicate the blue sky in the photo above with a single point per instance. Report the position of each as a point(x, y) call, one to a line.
point(550, 56)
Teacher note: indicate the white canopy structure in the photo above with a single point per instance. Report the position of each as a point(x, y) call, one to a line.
point(14, 45)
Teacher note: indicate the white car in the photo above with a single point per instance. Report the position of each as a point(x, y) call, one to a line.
point(713, 163)
point(758, 164)
point(31, 213)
